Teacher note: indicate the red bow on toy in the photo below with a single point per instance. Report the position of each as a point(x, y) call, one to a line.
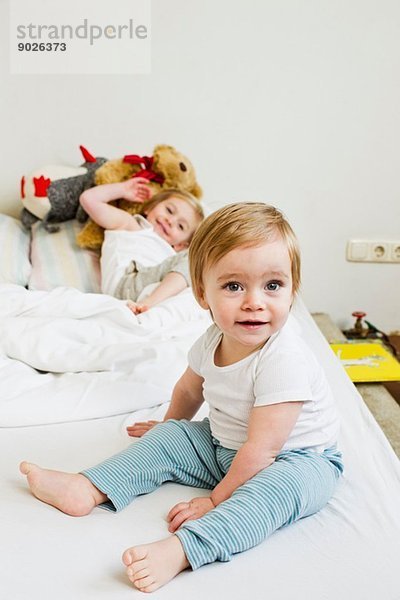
point(146, 162)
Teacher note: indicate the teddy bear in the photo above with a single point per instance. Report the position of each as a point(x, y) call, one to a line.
point(51, 193)
point(166, 168)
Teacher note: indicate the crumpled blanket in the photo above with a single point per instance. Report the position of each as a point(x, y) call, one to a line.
point(66, 355)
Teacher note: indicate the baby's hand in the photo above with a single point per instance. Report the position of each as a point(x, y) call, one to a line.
point(139, 429)
point(188, 511)
point(137, 308)
point(137, 190)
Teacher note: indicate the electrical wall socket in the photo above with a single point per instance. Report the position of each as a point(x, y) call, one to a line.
point(373, 251)
point(395, 254)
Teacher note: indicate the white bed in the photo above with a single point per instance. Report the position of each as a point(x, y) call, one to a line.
point(109, 370)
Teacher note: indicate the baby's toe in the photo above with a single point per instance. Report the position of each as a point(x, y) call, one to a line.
point(138, 570)
point(25, 467)
point(144, 583)
point(132, 555)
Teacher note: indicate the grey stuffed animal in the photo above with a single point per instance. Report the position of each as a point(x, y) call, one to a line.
point(51, 194)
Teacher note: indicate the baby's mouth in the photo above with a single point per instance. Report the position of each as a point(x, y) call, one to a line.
point(251, 324)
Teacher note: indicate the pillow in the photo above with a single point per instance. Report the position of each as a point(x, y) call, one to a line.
point(58, 261)
point(15, 241)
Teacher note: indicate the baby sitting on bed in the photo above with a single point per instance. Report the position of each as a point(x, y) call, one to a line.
point(267, 452)
point(150, 248)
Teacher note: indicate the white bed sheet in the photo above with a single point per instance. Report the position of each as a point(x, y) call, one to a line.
point(348, 551)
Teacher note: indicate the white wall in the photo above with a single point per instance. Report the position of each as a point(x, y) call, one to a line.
point(293, 103)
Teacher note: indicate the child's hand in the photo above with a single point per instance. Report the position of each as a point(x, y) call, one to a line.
point(188, 511)
point(137, 308)
point(137, 190)
point(139, 429)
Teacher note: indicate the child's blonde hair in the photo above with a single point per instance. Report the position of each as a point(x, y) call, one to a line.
point(174, 193)
point(234, 225)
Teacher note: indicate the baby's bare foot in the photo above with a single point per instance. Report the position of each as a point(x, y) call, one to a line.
point(71, 493)
point(152, 565)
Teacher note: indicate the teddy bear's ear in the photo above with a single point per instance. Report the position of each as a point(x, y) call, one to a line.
point(196, 191)
point(162, 147)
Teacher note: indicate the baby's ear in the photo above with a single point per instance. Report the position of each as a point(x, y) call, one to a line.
point(203, 302)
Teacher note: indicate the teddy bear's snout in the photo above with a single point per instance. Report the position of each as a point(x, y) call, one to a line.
point(182, 166)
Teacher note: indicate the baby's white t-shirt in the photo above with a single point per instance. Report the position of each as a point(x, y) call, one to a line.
point(284, 370)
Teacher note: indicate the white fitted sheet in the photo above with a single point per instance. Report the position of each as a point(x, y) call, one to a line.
point(348, 551)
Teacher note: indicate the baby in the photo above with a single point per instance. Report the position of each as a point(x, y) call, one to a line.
point(267, 452)
point(150, 248)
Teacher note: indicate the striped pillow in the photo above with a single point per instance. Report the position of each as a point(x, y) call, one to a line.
point(15, 241)
point(58, 261)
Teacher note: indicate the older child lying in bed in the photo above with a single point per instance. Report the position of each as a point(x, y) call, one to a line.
point(268, 450)
point(139, 250)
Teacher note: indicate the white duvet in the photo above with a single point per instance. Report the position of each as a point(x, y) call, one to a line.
point(66, 355)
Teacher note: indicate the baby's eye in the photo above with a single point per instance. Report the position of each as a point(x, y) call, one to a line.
point(232, 286)
point(273, 286)
point(181, 227)
point(169, 209)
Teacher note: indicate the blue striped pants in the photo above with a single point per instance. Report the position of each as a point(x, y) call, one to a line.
point(296, 485)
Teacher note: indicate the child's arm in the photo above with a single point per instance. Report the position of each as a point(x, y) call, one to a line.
point(269, 428)
point(187, 397)
point(95, 202)
point(172, 284)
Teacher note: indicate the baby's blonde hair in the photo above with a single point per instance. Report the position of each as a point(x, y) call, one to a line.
point(235, 225)
point(174, 193)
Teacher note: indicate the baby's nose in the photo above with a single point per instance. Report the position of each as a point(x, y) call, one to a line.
point(254, 301)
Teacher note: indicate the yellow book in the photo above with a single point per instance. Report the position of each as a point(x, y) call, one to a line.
point(367, 360)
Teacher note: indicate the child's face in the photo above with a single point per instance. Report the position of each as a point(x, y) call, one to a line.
point(249, 293)
point(175, 221)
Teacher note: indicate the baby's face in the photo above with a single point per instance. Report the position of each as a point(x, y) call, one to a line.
point(249, 292)
point(175, 221)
